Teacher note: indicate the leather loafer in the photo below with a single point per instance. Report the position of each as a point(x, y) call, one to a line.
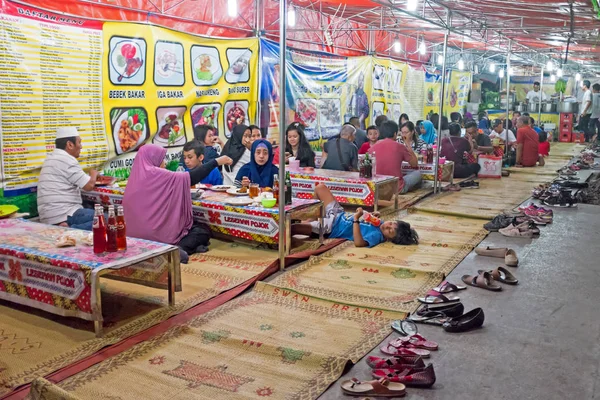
point(471, 320)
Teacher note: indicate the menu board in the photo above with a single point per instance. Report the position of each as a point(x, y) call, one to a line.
point(122, 85)
point(388, 82)
point(51, 76)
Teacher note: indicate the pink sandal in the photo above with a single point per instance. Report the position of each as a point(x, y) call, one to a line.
point(420, 342)
point(397, 348)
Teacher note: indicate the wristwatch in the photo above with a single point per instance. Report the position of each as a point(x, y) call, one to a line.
point(356, 222)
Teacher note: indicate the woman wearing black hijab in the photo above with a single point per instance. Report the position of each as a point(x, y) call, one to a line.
point(238, 148)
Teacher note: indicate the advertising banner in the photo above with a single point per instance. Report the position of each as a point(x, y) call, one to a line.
point(387, 90)
point(120, 84)
point(456, 94)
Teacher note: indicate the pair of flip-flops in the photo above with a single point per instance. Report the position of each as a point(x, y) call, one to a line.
point(438, 295)
point(415, 345)
point(485, 279)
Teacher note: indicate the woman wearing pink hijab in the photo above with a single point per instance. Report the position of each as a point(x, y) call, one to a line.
point(158, 204)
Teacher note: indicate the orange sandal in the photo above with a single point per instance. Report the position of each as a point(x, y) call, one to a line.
point(381, 388)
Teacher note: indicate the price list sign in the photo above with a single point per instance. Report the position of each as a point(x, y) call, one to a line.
point(50, 76)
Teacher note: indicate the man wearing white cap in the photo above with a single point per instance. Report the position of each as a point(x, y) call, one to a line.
point(61, 181)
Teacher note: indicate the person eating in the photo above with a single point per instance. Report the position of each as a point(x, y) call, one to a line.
point(505, 136)
point(528, 144)
point(238, 149)
point(296, 145)
point(157, 202)
point(372, 136)
point(340, 153)
point(205, 134)
point(454, 148)
point(410, 138)
point(193, 157)
point(61, 181)
point(427, 132)
point(390, 156)
point(481, 142)
point(260, 169)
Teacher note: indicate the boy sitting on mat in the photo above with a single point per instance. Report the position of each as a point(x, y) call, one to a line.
point(338, 224)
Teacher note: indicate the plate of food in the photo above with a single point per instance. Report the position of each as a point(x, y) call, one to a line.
point(222, 188)
point(202, 186)
point(243, 191)
point(171, 131)
point(206, 70)
point(103, 180)
point(205, 114)
point(236, 113)
point(130, 128)
point(240, 201)
point(127, 59)
point(306, 113)
point(197, 193)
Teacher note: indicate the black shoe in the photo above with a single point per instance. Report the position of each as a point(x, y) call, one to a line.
point(471, 320)
point(469, 185)
point(499, 222)
point(452, 310)
point(572, 185)
point(563, 199)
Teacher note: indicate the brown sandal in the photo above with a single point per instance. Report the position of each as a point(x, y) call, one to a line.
point(382, 388)
point(483, 280)
point(503, 275)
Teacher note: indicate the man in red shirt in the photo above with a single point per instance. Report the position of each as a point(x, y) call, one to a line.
point(527, 144)
point(390, 154)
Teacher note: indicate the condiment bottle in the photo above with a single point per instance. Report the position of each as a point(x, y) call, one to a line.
point(121, 229)
point(288, 189)
point(276, 187)
point(99, 230)
point(111, 232)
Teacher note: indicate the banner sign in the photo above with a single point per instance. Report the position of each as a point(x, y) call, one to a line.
point(387, 89)
point(120, 84)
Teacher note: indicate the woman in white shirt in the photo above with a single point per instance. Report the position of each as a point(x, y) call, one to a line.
point(238, 148)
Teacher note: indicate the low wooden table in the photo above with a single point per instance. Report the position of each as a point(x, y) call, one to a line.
point(445, 171)
point(347, 187)
point(65, 281)
point(244, 223)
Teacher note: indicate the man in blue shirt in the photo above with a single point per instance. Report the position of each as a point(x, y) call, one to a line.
point(193, 155)
point(338, 224)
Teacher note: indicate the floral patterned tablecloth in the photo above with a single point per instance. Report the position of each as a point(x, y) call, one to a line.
point(34, 272)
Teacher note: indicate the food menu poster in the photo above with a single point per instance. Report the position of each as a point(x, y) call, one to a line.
point(120, 84)
point(388, 97)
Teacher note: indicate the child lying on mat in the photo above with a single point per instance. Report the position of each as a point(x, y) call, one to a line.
point(338, 224)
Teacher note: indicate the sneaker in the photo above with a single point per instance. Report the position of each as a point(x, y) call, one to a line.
point(564, 199)
point(499, 222)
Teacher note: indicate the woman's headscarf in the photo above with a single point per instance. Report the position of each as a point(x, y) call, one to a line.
point(429, 135)
point(157, 203)
point(261, 174)
point(234, 147)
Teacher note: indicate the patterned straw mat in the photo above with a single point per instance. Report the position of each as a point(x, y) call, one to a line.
point(389, 277)
point(34, 343)
point(255, 346)
point(492, 198)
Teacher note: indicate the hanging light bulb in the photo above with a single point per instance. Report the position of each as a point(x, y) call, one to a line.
point(440, 59)
point(422, 48)
point(461, 64)
point(492, 68)
point(291, 17)
point(559, 72)
point(232, 8)
point(411, 5)
point(552, 78)
point(550, 65)
point(501, 73)
point(397, 47)
point(577, 77)
point(511, 71)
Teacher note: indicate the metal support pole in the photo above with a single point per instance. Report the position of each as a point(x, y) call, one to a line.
point(439, 131)
point(282, 110)
point(541, 96)
point(507, 92)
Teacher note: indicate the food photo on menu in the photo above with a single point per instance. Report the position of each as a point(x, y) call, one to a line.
point(129, 128)
point(171, 129)
point(168, 64)
point(127, 58)
point(206, 65)
point(239, 65)
point(236, 113)
point(307, 115)
point(206, 114)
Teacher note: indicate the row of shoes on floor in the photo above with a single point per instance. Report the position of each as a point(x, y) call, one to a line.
point(456, 187)
point(405, 368)
point(521, 223)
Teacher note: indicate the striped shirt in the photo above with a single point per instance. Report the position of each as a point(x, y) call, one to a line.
point(59, 187)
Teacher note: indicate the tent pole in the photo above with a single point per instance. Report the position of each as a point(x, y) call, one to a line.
point(439, 131)
point(507, 86)
point(541, 96)
point(282, 109)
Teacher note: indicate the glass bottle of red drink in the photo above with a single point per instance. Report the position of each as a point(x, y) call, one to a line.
point(121, 230)
point(99, 231)
point(111, 231)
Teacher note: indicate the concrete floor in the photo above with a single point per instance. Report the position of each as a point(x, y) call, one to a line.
point(540, 339)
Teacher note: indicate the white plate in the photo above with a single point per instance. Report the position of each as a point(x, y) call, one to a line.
point(234, 192)
point(221, 188)
point(215, 70)
point(116, 52)
point(240, 201)
point(116, 127)
point(201, 186)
